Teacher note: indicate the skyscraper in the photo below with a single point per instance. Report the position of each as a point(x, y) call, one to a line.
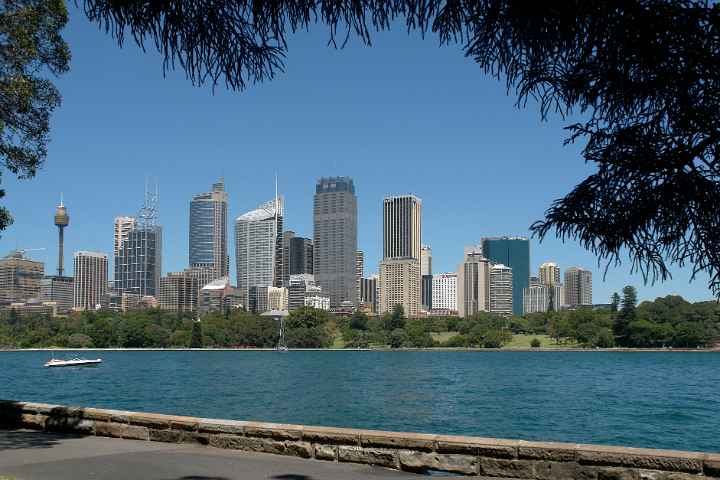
point(62, 220)
point(513, 252)
point(258, 247)
point(400, 279)
point(578, 287)
point(427, 278)
point(359, 272)
point(368, 293)
point(501, 290)
point(59, 290)
point(179, 292)
point(138, 251)
point(549, 273)
point(90, 279)
point(208, 230)
point(473, 289)
point(425, 260)
point(122, 228)
point(444, 291)
point(20, 277)
point(335, 238)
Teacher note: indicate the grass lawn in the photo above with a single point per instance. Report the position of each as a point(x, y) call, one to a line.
point(442, 336)
point(523, 341)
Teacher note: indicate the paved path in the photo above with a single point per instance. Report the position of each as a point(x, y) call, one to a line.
point(29, 455)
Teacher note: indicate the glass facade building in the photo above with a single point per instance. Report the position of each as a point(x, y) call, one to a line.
point(208, 230)
point(513, 252)
point(138, 263)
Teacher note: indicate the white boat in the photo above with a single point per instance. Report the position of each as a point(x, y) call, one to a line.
point(75, 362)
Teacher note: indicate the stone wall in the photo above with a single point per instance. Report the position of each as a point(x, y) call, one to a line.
point(415, 452)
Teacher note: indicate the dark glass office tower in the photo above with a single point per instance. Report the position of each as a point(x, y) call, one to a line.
point(513, 252)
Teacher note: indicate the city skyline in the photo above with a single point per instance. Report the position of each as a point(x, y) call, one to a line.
point(473, 152)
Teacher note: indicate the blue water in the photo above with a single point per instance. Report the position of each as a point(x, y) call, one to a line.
point(656, 400)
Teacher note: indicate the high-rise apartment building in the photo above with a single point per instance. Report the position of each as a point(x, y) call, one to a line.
point(549, 273)
point(543, 298)
point(138, 263)
point(473, 284)
point(368, 293)
point(335, 238)
point(208, 230)
point(578, 287)
point(90, 279)
point(444, 291)
point(427, 279)
point(179, 291)
point(287, 237)
point(20, 278)
point(513, 252)
point(400, 278)
point(258, 247)
point(122, 228)
point(501, 289)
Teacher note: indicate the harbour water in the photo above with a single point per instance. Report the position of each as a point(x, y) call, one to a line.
point(641, 399)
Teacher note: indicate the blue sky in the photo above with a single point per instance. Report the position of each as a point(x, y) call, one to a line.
point(403, 116)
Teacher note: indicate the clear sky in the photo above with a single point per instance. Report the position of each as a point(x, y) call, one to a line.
point(403, 116)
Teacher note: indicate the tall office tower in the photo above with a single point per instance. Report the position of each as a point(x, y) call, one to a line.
point(368, 293)
point(299, 284)
point(501, 289)
point(90, 281)
point(426, 287)
point(359, 273)
point(549, 273)
point(62, 220)
point(258, 247)
point(58, 289)
point(335, 238)
point(513, 252)
point(179, 291)
point(19, 277)
point(138, 259)
point(400, 267)
point(122, 228)
point(578, 287)
point(444, 291)
point(473, 284)
point(288, 235)
point(425, 260)
point(208, 230)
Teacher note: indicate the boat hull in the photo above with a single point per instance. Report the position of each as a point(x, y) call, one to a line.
point(72, 363)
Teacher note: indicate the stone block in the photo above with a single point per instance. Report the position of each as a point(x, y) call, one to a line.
point(335, 436)
point(665, 460)
point(167, 436)
point(221, 426)
point(711, 465)
point(497, 467)
point(277, 432)
point(371, 456)
point(43, 408)
point(35, 421)
point(559, 452)
point(184, 423)
point(413, 441)
point(545, 470)
point(97, 414)
point(225, 441)
point(658, 475)
point(70, 424)
point(614, 473)
point(121, 430)
point(150, 420)
point(299, 449)
point(484, 447)
point(415, 461)
point(325, 452)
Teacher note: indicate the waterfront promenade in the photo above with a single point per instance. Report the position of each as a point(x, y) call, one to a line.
point(30, 455)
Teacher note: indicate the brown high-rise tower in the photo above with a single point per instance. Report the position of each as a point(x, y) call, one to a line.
point(62, 219)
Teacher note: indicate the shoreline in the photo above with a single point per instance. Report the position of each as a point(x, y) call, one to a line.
point(433, 349)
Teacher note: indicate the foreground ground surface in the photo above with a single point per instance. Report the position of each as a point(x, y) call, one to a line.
point(29, 455)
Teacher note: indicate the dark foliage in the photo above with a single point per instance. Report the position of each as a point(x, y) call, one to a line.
point(645, 76)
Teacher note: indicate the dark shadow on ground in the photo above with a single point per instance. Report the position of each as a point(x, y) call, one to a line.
point(290, 476)
point(201, 477)
point(17, 439)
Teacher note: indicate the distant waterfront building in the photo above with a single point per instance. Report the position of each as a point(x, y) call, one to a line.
point(578, 287)
point(368, 293)
point(473, 288)
point(316, 299)
point(297, 255)
point(138, 264)
point(90, 279)
point(513, 252)
point(277, 298)
point(426, 286)
point(444, 291)
point(179, 291)
point(258, 247)
point(400, 268)
point(501, 289)
point(58, 290)
point(287, 236)
point(425, 260)
point(543, 298)
point(359, 273)
point(297, 290)
point(33, 306)
point(20, 278)
point(208, 230)
point(218, 296)
point(549, 273)
point(121, 229)
point(335, 238)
